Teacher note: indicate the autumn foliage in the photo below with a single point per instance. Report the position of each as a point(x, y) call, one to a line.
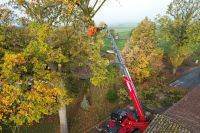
point(39, 59)
point(140, 53)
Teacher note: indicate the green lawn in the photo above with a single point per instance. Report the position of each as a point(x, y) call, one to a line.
point(121, 29)
point(49, 124)
point(124, 34)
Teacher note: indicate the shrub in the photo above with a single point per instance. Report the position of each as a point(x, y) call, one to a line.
point(149, 95)
point(173, 95)
point(112, 95)
point(123, 96)
point(85, 104)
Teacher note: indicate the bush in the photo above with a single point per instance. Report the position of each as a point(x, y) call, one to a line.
point(112, 95)
point(173, 95)
point(123, 96)
point(149, 95)
point(85, 104)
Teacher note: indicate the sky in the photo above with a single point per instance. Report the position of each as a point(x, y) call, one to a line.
point(3, 1)
point(130, 11)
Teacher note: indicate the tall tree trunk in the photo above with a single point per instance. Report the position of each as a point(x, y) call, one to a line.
point(63, 110)
point(174, 71)
point(13, 129)
point(63, 119)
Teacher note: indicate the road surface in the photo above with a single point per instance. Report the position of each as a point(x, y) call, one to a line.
point(189, 80)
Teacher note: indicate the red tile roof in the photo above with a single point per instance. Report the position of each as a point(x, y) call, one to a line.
point(187, 110)
point(163, 124)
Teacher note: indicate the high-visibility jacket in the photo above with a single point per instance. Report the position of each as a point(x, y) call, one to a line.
point(92, 30)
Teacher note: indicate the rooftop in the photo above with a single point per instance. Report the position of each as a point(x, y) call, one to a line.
point(163, 124)
point(187, 110)
point(182, 117)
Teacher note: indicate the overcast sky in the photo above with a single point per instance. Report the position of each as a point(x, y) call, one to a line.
point(130, 11)
point(3, 1)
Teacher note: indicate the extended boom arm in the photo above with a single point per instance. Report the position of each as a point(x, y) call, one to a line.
point(127, 78)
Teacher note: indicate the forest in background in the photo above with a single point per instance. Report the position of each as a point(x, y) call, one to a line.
point(48, 64)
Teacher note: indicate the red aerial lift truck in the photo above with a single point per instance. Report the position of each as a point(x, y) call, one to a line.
point(124, 121)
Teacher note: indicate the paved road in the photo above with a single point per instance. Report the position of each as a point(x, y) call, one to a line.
point(189, 80)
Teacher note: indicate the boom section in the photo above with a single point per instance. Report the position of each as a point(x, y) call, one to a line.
point(127, 78)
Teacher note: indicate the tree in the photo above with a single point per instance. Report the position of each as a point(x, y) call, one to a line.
point(46, 47)
point(82, 52)
point(141, 54)
point(6, 15)
point(46, 11)
point(176, 30)
point(194, 40)
point(89, 8)
point(28, 89)
point(60, 12)
point(11, 38)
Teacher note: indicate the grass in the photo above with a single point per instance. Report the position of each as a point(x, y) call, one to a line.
point(99, 110)
point(49, 124)
point(124, 34)
point(100, 107)
point(121, 29)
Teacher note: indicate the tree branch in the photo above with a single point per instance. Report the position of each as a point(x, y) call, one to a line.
point(98, 8)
